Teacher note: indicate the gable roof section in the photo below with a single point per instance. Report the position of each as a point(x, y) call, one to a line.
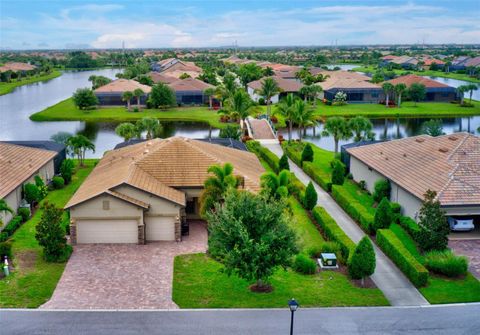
point(286, 85)
point(345, 80)
point(158, 77)
point(409, 79)
point(449, 165)
point(19, 163)
point(189, 84)
point(122, 85)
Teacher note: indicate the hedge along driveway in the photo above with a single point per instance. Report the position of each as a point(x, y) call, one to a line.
point(396, 287)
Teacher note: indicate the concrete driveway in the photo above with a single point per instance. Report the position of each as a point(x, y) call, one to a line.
point(471, 249)
point(114, 276)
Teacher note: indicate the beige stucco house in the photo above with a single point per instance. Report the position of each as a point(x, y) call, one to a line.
point(18, 166)
point(449, 165)
point(150, 190)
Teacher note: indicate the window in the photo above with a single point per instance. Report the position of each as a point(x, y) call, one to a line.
point(374, 94)
point(106, 205)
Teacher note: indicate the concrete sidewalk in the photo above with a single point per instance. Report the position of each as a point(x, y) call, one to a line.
point(393, 283)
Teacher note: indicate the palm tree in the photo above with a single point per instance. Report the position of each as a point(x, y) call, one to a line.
point(361, 128)
point(138, 93)
point(337, 127)
point(150, 125)
point(127, 96)
point(216, 186)
point(399, 90)
point(314, 91)
point(210, 92)
point(286, 109)
point(461, 91)
point(471, 88)
point(269, 89)
point(79, 144)
point(303, 116)
point(240, 105)
point(275, 185)
point(387, 88)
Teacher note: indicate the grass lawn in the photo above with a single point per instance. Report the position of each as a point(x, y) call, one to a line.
point(308, 235)
point(66, 111)
point(6, 88)
point(440, 290)
point(321, 157)
point(199, 283)
point(34, 280)
point(360, 195)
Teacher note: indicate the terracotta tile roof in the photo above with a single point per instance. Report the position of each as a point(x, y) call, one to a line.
point(182, 66)
point(286, 85)
point(19, 163)
point(189, 84)
point(449, 165)
point(430, 61)
point(158, 77)
point(473, 62)
point(128, 199)
point(160, 166)
point(409, 79)
point(15, 66)
point(176, 74)
point(122, 85)
point(344, 80)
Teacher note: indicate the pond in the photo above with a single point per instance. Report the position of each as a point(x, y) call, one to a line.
point(455, 83)
point(344, 67)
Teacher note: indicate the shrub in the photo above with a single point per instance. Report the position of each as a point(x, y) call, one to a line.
point(5, 250)
point(42, 188)
point(446, 263)
point(13, 225)
point(66, 170)
point(312, 172)
point(84, 98)
point(412, 228)
point(332, 231)
point(357, 211)
point(383, 215)
point(394, 248)
point(326, 247)
point(24, 212)
point(3, 236)
point(433, 224)
point(269, 157)
point(58, 182)
point(338, 173)
point(362, 184)
point(304, 264)
point(307, 153)
point(283, 163)
point(32, 193)
point(294, 155)
point(381, 190)
point(362, 262)
point(296, 187)
point(311, 197)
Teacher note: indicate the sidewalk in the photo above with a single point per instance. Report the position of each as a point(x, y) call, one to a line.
point(393, 283)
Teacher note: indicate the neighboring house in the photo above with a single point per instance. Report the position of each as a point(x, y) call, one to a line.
point(19, 165)
point(46, 145)
point(111, 93)
point(459, 63)
point(174, 67)
point(428, 62)
point(17, 67)
point(158, 77)
point(449, 165)
point(406, 62)
point(357, 86)
point(190, 91)
point(149, 191)
point(286, 86)
point(436, 92)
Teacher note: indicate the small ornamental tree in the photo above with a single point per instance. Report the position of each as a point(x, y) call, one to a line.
point(84, 98)
point(32, 193)
point(338, 173)
point(161, 96)
point(283, 163)
point(66, 170)
point(433, 224)
point(307, 153)
point(383, 215)
point(42, 188)
point(311, 197)
point(417, 92)
point(250, 234)
point(381, 190)
point(51, 236)
point(362, 262)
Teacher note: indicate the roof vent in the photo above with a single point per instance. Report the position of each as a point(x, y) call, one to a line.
point(452, 138)
point(149, 143)
point(419, 140)
point(386, 158)
point(381, 152)
point(145, 152)
point(404, 155)
point(443, 150)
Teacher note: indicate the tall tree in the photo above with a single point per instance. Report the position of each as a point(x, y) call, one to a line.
point(240, 105)
point(148, 124)
point(127, 96)
point(337, 127)
point(249, 72)
point(417, 92)
point(303, 116)
point(387, 88)
point(286, 108)
point(84, 98)
point(361, 128)
point(461, 90)
point(162, 96)
point(138, 93)
point(399, 89)
point(210, 93)
point(268, 90)
point(472, 87)
point(79, 144)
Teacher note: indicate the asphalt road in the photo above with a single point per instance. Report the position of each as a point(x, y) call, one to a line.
point(458, 319)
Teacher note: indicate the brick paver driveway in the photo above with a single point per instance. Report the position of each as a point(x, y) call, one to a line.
point(471, 249)
point(115, 276)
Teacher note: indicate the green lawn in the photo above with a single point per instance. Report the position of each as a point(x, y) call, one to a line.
point(67, 111)
point(431, 73)
point(199, 283)
point(360, 195)
point(321, 157)
point(6, 88)
point(34, 280)
point(307, 232)
point(440, 290)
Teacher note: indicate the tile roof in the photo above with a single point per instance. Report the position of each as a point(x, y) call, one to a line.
point(286, 85)
point(122, 85)
point(473, 62)
point(160, 166)
point(189, 84)
point(19, 163)
point(449, 165)
point(16, 66)
point(344, 80)
point(409, 79)
point(158, 77)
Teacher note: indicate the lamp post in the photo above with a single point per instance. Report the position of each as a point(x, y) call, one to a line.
point(293, 305)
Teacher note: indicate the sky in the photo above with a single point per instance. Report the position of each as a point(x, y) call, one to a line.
point(211, 23)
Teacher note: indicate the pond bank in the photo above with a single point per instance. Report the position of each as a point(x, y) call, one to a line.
point(6, 88)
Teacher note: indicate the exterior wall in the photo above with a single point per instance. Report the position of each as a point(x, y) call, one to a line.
point(93, 209)
point(255, 97)
point(158, 206)
point(368, 95)
point(410, 203)
point(115, 99)
point(361, 171)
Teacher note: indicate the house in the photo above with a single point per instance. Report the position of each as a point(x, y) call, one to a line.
point(111, 93)
point(174, 67)
point(459, 63)
point(149, 191)
point(357, 86)
point(17, 67)
point(436, 91)
point(46, 145)
point(190, 91)
point(286, 86)
point(406, 62)
point(428, 62)
point(19, 164)
point(158, 77)
point(448, 165)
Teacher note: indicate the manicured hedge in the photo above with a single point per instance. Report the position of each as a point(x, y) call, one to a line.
point(296, 187)
point(294, 155)
point(332, 231)
point(323, 181)
point(13, 225)
point(5, 250)
point(356, 210)
point(394, 248)
point(269, 157)
point(412, 228)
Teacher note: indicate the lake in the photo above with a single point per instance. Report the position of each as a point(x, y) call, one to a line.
point(456, 83)
point(16, 107)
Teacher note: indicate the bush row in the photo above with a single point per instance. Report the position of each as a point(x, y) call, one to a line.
point(295, 156)
point(333, 232)
point(396, 251)
point(411, 227)
point(5, 250)
point(10, 228)
point(356, 210)
point(323, 181)
point(269, 157)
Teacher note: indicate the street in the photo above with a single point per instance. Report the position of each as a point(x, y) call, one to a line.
point(448, 319)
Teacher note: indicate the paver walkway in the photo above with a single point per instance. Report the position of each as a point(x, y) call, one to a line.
point(471, 249)
point(388, 278)
point(261, 129)
point(123, 276)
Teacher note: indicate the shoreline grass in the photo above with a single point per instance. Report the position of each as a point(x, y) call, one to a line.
point(6, 88)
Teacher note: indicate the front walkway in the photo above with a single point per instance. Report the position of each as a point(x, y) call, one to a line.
point(471, 249)
point(123, 276)
point(393, 283)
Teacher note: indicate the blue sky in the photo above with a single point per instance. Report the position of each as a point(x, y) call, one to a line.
point(203, 23)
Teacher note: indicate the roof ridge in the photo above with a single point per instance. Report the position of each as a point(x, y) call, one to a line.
point(454, 151)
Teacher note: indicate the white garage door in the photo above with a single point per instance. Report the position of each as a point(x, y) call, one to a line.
point(160, 228)
point(107, 231)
